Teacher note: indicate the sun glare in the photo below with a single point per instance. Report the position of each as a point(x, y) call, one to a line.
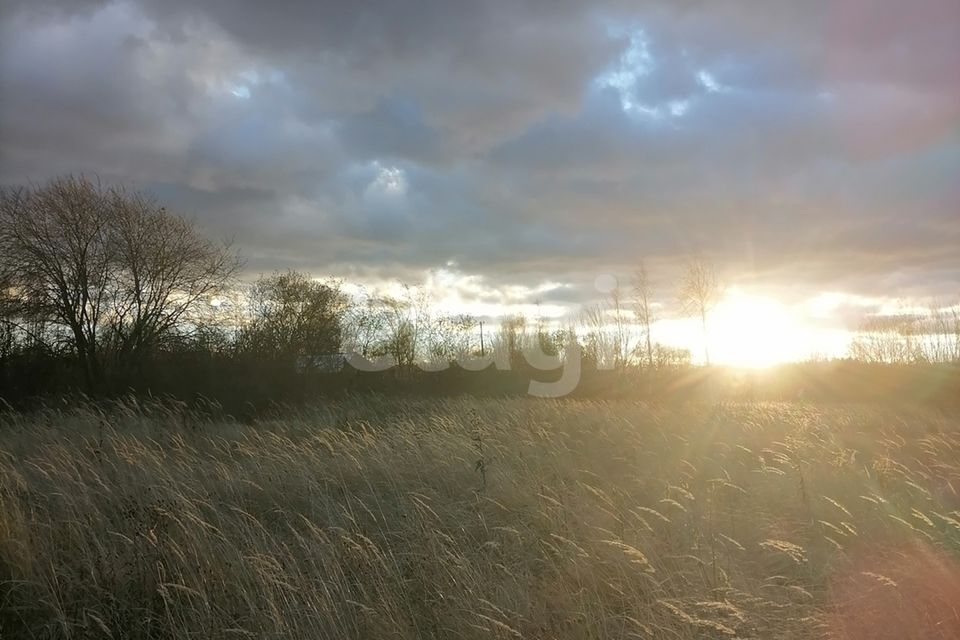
point(753, 331)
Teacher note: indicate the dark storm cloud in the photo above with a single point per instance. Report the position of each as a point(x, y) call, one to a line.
point(813, 145)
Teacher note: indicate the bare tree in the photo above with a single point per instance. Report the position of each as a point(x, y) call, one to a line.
point(294, 316)
point(7, 317)
point(364, 325)
point(887, 339)
point(548, 342)
point(699, 293)
point(511, 339)
point(621, 328)
point(54, 242)
point(601, 335)
point(609, 331)
point(115, 270)
point(665, 356)
point(940, 330)
point(931, 336)
point(643, 308)
point(451, 337)
point(406, 324)
point(162, 271)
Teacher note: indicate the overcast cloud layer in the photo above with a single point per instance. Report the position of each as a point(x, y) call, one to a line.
point(807, 146)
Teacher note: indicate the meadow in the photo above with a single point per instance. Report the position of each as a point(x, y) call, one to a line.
point(373, 517)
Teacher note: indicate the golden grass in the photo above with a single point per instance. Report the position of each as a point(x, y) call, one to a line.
point(466, 518)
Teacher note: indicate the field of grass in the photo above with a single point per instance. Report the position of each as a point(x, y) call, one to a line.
point(519, 518)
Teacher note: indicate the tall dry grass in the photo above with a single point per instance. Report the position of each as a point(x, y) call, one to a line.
point(373, 518)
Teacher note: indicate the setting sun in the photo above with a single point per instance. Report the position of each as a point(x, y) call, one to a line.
point(754, 331)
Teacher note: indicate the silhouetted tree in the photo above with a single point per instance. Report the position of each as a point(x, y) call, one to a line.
point(622, 329)
point(944, 327)
point(887, 339)
point(293, 316)
point(599, 336)
point(699, 293)
point(7, 317)
point(511, 340)
point(406, 324)
point(452, 337)
point(163, 277)
point(549, 343)
point(363, 325)
point(920, 336)
point(670, 357)
point(609, 332)
point(116, 271)
point(643, 309)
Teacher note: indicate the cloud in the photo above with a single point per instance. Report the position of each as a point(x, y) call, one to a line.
point(813, 148)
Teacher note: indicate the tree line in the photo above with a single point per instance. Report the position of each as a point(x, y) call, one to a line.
point(933, 336)
point(101, 286)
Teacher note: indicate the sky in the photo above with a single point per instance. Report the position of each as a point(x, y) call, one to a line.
point(514, 152)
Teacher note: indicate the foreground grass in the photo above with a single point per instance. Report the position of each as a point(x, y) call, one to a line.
point(481, 519)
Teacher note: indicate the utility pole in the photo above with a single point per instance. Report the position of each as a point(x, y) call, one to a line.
point(483, 352)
